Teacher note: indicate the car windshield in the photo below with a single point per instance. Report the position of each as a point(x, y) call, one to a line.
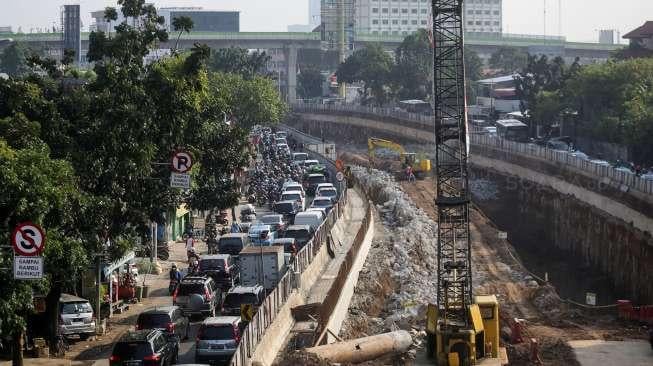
point(208, 264)
point(191, 288)
point(330, 192)
point(234, 300)
point(231, 246)
point(217, 332)
point(315, 179)
point(132, 350)
point(76, 307)
point(322, 203)
point(300, 156)
point(151, 321)
point(271, 220)
point(297, 234)
point(291, 196)
point(283, 207)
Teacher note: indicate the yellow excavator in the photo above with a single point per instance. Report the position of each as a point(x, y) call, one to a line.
point(421, 167)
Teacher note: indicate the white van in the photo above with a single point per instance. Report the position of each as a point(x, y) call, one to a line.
point(312, 219)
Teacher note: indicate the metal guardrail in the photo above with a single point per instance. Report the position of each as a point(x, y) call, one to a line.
point(604, 174)
point(276, 299)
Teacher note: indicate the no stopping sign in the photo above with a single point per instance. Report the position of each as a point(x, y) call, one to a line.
point(28, 239)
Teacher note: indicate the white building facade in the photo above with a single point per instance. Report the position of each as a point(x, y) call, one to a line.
point(403, 17)
point(483, 16)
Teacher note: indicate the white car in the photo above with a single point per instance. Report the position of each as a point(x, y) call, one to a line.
point(328, 192)
point(299, 158)
point(623, 169)
point(294, 196)
point(579, 154)
point(600, 162)
point(310, 162)
point(647, 176)
point(292, 187)
point(323, 185)
point(492, 131)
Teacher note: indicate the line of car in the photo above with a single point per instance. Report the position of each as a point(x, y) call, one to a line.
point(227, 280)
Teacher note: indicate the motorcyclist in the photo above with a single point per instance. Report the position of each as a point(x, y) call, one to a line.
point(194, 265)
point(175, 277)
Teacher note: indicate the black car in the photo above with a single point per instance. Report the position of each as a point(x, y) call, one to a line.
point(288, 209)
point(232, 243)
point(311, 182)
point(301, 233)
point(170, 319)
point(148, 347)
point(197, 295)
point(221, 268)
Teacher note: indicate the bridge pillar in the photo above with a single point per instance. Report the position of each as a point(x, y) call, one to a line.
point(290, 52)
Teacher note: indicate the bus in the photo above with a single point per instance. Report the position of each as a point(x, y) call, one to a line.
point(512, 129)
point(416, 106)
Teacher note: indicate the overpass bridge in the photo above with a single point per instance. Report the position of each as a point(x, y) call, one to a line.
point(288, 44)
point(602, 217)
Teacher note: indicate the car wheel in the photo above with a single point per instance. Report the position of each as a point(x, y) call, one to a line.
point(84, 336)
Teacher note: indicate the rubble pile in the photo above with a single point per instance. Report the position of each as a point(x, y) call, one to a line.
point(398, 278)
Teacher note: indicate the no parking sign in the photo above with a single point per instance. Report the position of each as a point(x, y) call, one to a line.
point(28, 239)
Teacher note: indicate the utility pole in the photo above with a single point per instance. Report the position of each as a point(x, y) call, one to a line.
point(342, 90)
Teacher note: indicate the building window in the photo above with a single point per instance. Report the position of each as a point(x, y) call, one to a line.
point(375, 10)
point(423, 22)
point(413, 22)
point(496, 12)
point(395, 11)
point(470, 23)
point(384, 10)
point(487, 22)
point(385, 21)
point(404, 11)
point(424, 11)
point(497, 23)
point(404, 22)
point(414, 11)
point(375, 21)
point(395, 21)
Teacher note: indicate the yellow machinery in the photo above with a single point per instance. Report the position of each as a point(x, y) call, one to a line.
point(421, 166)
point(462, 329)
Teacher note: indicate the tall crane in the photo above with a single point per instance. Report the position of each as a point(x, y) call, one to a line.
point(462, 328)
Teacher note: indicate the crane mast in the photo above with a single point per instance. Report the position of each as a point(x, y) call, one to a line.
point(454, 283)
point(461, 329)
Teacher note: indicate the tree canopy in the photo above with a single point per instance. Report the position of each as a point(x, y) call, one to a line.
point(508, 59)
point(309, 82)
point(84, 154)
point(371, 66)
point(239, 61)
point(412, 72)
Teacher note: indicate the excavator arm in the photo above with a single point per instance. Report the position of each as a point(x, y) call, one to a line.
point(374, 143)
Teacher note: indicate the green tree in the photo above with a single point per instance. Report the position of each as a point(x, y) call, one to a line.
point(13, 59)
point(372, 67)
point(509, 59)
point(473, 64)
point(42, 190)
point(614, 103)
point(239, 61)
point(309, 82)
point(413, 70)
point(181, 24)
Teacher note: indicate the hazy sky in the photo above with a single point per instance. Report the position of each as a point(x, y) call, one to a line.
point(581, 19)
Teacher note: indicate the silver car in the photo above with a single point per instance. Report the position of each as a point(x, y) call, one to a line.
point(76, 316)
point(217, 339)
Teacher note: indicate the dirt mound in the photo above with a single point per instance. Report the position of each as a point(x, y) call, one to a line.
point(552, 352)
point(297, 358)
point(352, 158)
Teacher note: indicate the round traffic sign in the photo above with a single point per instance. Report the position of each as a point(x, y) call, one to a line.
point(28, 239)
point(340, 176)
point(182, 161)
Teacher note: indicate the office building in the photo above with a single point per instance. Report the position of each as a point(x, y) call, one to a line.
point(483, 16)
point(5, 29)
point(334, 15)
point(402, 17)
point(71, 30)
point(314, 13)
point(301, 28)
point(203, 20)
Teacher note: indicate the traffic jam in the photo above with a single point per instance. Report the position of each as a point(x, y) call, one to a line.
point(287, 197)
